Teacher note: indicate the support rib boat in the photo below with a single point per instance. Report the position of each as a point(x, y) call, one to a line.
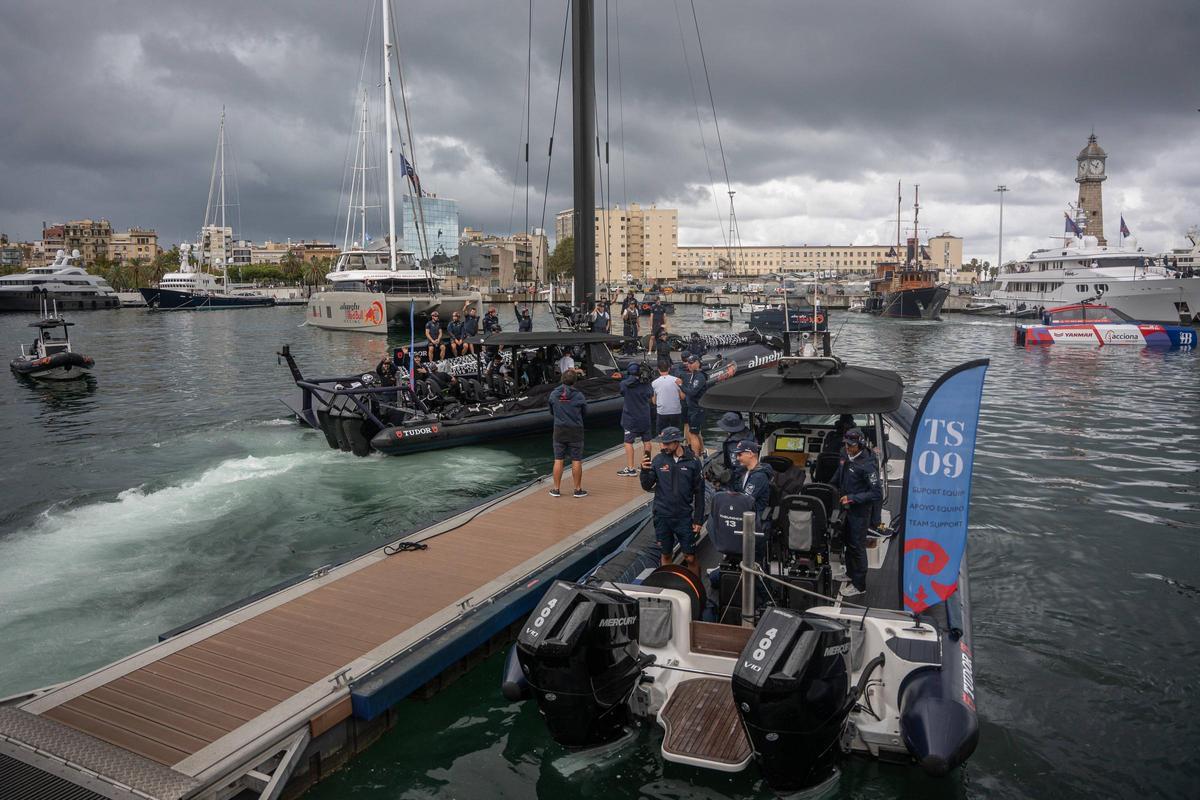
point(761, 662)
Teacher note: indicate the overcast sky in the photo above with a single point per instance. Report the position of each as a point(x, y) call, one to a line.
point(110, 110)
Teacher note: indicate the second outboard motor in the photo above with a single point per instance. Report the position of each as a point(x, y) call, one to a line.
point(579, 652)
point(792, 688)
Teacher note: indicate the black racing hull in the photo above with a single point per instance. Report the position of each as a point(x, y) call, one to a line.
point(924, 303)
point(396, 440)
point(63, 301)
point(171, 300)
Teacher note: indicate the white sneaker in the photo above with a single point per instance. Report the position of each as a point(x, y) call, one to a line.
point(850, 590)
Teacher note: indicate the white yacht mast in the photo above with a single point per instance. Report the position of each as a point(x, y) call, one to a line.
point(387, 116)
point(216, 191)
point(356, 229)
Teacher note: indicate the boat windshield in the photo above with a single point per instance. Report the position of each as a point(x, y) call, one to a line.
point(1086, 313)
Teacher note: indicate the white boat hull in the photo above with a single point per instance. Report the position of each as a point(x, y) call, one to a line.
point(1154, 299)
point(370, 312)
point(717, 315)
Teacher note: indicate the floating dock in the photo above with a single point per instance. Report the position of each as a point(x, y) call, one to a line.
point(264, 697)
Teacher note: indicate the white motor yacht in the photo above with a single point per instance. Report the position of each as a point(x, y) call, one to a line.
point(63, 282)
point(1143, 286)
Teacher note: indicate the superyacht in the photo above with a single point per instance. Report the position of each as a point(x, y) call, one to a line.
point(63, 281)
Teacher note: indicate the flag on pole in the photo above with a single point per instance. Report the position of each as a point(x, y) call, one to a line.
point(1124, 227)
point(406, 169)
point(937, 486)
point(1071, 226)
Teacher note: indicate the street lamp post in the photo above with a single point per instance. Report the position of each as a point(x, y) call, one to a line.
point(1000, 241)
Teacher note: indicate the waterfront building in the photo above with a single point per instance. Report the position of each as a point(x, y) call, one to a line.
point(216, 246)
point(440, 215)
point(494, 262)
point(134, 243)
point(635, 241)
point(90, 237)
point(942, 252)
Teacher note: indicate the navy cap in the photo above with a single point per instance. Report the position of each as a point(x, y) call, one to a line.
point(732, 422)
point(691, 358)
point(747, 446)
point(633, 369)
point(854, 436)
point(671, 434)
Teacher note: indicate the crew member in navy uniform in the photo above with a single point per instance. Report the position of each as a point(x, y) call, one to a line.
point(832, 441)
point(491, 322)
point(736, 429)
point(635, 414)
point(433, 333)
point(524, 320)
point(568, 406)
point(696, 345)
point(674, 477)
point(658, 318)
point(470, 325)
point(629, 328)
point(754, 477)
point(455, 330)
point(857, 478)
point(695, 383)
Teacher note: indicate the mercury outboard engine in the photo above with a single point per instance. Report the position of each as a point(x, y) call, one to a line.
point(792, 688)
point(579, 652)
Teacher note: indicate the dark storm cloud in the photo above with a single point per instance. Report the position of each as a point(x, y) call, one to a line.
point(110, 109)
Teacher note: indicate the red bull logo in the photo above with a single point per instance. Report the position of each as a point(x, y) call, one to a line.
point(374, 315)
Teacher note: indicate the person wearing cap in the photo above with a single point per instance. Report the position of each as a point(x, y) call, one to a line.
point(754, 477)
point(433, 335)
point(490, 321)
point(696, 345)
point(635, 414)
point(600, 318)
point(674, 475)
point(568, 406)
point(736, 430)
point(524, 320)
point(456, 333)
point(658, 317)
point(857, 478)
point(694, 384)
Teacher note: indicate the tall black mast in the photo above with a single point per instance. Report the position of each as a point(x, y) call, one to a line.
point(584, 135)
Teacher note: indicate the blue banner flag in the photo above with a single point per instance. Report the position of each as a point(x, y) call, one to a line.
point(1124, 227)
point(937, 486)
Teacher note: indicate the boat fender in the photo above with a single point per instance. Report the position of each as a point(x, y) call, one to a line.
point(513, 684)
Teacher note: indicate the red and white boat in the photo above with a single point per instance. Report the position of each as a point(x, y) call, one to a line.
point(1098, 325)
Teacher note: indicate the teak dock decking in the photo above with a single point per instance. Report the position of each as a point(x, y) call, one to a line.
point(239, 700)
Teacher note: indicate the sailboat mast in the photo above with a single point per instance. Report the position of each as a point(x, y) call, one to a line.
point(916, 229)
point(221, 156)
point(899, 204)
point(387, 116)
point(362, 177)
point(583, 134)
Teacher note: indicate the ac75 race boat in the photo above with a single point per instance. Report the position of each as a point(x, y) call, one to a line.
point(763, 662)
point(470, 399)
point(1097, 325)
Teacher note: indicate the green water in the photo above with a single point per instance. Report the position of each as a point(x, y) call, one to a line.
point(173, 484)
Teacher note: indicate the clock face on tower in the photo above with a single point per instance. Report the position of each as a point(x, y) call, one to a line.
point(1095, 167)
point(1083, 169)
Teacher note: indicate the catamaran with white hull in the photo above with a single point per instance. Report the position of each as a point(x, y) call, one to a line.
point(1141, 285)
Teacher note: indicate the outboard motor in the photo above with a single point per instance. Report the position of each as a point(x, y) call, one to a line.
point(792, 688)
point(579, 652)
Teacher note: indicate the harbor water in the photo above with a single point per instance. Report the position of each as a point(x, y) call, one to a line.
point(172, 482)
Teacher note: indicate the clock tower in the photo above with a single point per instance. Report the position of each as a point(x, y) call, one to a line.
point(1089, 176)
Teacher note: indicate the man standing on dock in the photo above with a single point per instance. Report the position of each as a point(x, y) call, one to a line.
point(695, 383)
point(635, 414)
point(674, 475)
point(629, 325)
point(568, 405)
point(667, 398)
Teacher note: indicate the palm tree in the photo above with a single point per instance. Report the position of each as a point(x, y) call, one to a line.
point(313, 272)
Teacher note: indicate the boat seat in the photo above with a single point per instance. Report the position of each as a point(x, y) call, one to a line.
point(827, 464)
point(803, 525)
point(826, 493)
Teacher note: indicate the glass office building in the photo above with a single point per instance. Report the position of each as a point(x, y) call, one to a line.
point(441, 226)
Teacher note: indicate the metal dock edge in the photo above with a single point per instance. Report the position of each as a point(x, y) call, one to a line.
point(269, 694)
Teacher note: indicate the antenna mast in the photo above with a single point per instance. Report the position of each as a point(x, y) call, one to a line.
point(387, 96)
point(583, 133)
